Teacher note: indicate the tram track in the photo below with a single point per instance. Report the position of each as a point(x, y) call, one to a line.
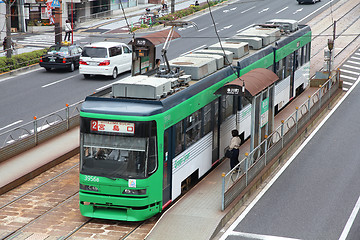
point(44, 209)
point(345, 20)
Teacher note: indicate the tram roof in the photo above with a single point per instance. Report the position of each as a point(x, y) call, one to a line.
point(144, 107)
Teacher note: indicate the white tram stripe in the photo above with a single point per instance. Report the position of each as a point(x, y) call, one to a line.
point(350, 220)
point(348, 77)
point(349, 66)
point(260, 237)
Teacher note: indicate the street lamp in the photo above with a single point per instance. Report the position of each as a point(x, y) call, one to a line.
point(330, 47)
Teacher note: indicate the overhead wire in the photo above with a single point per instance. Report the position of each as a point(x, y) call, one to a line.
point(218, 37)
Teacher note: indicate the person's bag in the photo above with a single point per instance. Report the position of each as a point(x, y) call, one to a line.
point(228, 153)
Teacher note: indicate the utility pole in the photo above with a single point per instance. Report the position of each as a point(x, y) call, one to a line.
point(172, 6)
point(58, 23)
point(8, 29)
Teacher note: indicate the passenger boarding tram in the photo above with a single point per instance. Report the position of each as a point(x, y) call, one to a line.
point(141, 144)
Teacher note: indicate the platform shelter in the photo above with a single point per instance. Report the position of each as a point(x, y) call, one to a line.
point(258, 87)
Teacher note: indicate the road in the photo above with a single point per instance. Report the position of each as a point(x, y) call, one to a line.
point(37, 93)
point(315, 195)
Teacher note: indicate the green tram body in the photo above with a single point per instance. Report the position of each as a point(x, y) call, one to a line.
point(161, 143)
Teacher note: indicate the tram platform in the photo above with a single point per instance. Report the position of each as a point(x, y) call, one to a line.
point(198, 213)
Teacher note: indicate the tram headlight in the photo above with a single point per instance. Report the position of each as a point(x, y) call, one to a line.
point(134, 191)
point(88, 188)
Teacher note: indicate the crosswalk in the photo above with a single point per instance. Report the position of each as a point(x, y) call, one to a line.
point(350, 70)
point(42, 40)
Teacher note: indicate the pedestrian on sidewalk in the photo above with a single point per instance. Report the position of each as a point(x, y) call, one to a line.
point(4, 43)
point(68, 30)
point(234, 148)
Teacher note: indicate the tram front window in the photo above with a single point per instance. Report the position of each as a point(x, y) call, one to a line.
point(116, 156)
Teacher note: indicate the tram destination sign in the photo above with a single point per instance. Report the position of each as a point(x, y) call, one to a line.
point(113, 127)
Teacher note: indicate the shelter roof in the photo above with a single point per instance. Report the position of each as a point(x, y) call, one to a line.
point(255, 82)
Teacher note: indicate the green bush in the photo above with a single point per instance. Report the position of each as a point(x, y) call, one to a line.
point(20, 60)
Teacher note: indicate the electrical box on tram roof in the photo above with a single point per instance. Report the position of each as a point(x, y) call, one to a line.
point(143, 60)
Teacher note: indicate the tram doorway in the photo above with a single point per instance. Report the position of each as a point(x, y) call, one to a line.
point(258, 87)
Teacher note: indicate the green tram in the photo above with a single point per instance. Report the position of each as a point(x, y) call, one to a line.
point(136, 155)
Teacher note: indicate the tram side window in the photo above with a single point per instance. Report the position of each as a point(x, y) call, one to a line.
point(227, 106)
point(302, 55)
point(207, 119)
point(280, 69)
point(193, 128)
point(307, 52)
point(179, 141)
point(288, 65)
point(297, 59)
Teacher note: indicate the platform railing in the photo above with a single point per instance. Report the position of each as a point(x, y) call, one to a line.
point(39, 130)
point(237, 179)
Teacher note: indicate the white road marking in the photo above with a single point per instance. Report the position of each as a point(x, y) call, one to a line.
point(264, 10)
point(351, 72)
point(228, 26)
point(26, 72)
point(350, 221)
point(245, 28)
point(282, 10)
point(299, 10)
point(248, 9)
point(348, 83)
point(353, 62)
point(272, 181)
point(202, 46)
point(260, 237)
point(355, 57)
point(348, 77)
point(349, 66)
point(61, 80)
point(12, 124)
point(318, 9)
point(203, 29)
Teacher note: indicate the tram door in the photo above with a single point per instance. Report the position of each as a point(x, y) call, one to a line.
point(215, 125)
point(167, 168)
point(294, 65)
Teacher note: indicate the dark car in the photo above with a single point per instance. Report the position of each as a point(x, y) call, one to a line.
point(308, 1)
point(61, 56)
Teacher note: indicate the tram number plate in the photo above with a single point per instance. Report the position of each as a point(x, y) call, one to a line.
point(109, 126)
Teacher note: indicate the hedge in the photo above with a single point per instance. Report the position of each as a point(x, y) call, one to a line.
point(20, 60)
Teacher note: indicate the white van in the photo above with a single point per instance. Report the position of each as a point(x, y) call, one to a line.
point(105, 58)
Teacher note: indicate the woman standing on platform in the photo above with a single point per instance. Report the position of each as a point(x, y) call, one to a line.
point(234, 148)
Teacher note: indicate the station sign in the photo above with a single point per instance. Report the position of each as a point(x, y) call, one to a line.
point(112, 127)
point(264, 118)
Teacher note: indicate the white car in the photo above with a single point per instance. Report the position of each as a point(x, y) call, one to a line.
point(105, 58)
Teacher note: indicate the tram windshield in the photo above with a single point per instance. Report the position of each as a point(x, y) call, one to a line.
point(116, 156)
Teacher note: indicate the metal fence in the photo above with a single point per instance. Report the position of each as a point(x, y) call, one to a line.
point(95, 16)
point(26, 136)
point(238, 178)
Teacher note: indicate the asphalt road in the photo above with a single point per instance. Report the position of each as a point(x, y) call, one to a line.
point(37, 93)
point(316, 194)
